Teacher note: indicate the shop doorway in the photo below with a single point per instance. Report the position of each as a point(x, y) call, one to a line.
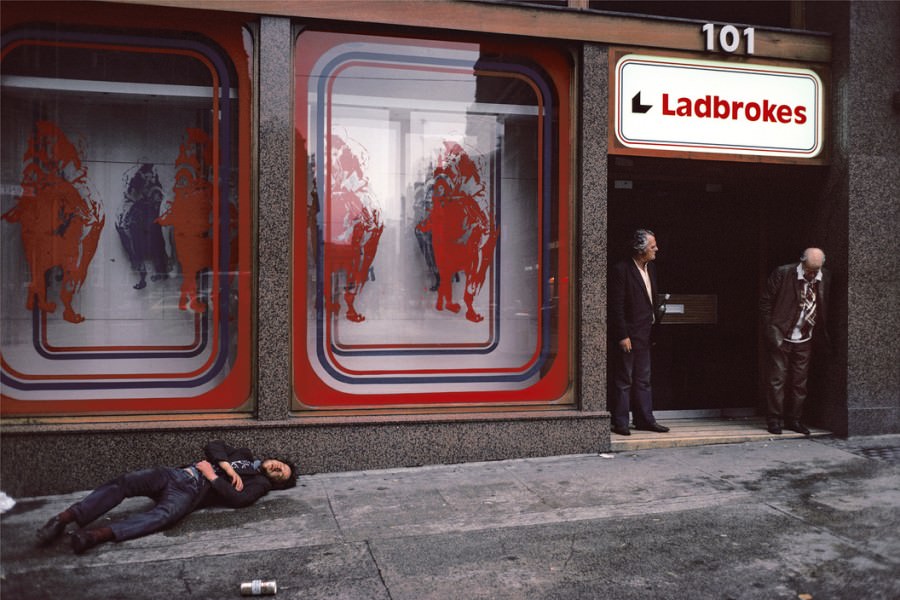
point(721, 227)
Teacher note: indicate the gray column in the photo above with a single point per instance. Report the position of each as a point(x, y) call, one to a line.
point(273, 307)
point(873, 284)
point(592, 229)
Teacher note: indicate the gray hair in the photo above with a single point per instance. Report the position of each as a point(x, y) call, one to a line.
point(640, 240)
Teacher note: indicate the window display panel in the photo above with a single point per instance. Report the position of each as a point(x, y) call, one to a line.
point(434, 213)
point(125, 268)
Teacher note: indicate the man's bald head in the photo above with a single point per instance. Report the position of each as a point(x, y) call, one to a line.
point(813, 259)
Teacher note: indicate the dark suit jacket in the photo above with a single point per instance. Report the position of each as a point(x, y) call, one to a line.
point(779, 305)
point(630, 310)
point(221, 492)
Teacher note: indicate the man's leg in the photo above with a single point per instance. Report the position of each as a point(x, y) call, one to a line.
point(146, 482)
point(798, 367)
point(776, 377)
point(624, 366)
point(642, 392)
point(175, 501)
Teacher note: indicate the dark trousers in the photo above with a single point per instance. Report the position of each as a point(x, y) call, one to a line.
point(788, 372)
point(633, 391)
point(175, 491)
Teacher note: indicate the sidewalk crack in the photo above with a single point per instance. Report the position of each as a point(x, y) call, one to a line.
point(334, 516)
point(378, 568)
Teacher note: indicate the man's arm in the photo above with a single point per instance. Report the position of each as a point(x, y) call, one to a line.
point(618, 329)
point(770, 332)
point(217, 451)
point(238, 493)
point(222, 454)
point(252, 491)
point(767, 298)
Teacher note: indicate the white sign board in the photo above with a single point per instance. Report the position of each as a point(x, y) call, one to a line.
point(687, 105)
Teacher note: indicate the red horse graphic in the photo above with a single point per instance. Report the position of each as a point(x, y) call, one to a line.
point(462, 233)
point(189, 214)
point(351, 241)
point(61, 218)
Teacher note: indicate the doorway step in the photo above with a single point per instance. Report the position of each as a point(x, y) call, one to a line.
point(704, 432)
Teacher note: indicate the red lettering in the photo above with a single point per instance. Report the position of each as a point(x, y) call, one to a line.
point(703, 107)
point(721, 109)
point(785, 113)
point(754, 107)
point(665, 109)
point(769, 112)
point(715, 107)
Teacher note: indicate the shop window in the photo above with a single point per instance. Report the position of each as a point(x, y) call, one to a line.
point(125, 217)
point(431, 257)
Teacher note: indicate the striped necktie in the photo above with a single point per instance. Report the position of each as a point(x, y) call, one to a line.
point(809, 308)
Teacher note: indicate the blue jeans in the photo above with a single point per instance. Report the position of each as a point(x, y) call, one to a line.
point(175, 491)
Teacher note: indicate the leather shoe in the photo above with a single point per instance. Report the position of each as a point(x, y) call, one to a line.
point(82, 541)
point(654, 427)
point(51, 530)
point(774, 428)
point(621, 430)
point(797, 426)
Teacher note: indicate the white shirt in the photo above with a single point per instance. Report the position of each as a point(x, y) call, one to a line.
point(645, 275)
point(796, 335)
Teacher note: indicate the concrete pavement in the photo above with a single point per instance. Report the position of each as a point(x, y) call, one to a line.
point(786, 518)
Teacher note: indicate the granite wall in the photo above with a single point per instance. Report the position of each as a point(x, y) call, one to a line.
point(860, 210)
point(274, 200)
point(873, 393)
point(592, 227)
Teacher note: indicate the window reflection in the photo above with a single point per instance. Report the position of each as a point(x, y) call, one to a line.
point(430, 221)
point(120, 220)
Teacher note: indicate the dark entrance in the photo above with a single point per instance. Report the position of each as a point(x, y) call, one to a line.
point(720, 228)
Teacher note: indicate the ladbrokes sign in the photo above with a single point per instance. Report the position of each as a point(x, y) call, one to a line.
point(686, 105)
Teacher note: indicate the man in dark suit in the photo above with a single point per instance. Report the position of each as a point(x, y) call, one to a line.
point(793, 310)
point(229, 476)
point(632, 312)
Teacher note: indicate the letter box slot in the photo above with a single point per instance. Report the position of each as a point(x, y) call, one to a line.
point(690, 309)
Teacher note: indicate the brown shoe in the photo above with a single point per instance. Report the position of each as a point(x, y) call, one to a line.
point(82, 540)
point(51, 530)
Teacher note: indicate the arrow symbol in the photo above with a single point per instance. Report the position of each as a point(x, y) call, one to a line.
point(636, 105)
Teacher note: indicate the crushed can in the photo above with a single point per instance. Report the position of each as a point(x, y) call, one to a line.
point(258, 587)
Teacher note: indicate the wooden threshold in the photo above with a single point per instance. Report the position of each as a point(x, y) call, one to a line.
point(703, 432)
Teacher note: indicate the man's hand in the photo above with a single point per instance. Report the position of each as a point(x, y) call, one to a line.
point(206, 470)
point(625, 345)
point(236, 480)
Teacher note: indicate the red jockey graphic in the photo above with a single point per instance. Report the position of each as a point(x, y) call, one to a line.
point(353, 231)
point(189, 215)
point(463, 234)
point(61, 218)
